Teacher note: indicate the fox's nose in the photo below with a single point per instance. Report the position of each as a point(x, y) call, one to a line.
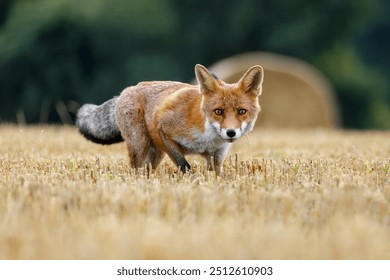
point(231, 133)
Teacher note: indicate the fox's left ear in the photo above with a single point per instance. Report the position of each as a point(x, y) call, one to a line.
point(206, 81)
point(252, 80)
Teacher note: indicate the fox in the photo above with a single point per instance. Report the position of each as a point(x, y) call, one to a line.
point(156, 118)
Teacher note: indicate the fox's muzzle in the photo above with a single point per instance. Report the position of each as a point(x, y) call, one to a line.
point(231, 134)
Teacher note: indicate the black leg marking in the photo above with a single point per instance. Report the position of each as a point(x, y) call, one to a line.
point(184, 165)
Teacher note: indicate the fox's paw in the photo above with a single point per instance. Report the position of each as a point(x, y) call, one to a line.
point(185, 167)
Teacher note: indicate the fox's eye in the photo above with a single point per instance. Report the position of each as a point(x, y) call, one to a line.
point(218, 112)
point(242, 111)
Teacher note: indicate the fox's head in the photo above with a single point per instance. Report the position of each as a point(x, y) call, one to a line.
point(231, 109)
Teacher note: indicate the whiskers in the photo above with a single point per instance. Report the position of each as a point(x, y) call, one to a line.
point(244, 139)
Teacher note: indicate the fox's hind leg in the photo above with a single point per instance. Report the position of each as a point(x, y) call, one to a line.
point(131, 123)
point(140, 147)
point(137, 143)
point(137, 152)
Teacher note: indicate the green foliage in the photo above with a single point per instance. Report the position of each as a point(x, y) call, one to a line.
point(58, 52)
point(362, 89)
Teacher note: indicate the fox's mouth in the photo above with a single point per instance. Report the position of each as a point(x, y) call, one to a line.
point(230, 140)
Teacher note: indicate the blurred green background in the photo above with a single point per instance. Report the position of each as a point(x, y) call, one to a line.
point(55, 54)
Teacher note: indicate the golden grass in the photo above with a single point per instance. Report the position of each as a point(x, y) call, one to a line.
point(289, 194)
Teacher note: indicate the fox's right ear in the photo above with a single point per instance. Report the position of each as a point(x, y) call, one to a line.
point(206, 81)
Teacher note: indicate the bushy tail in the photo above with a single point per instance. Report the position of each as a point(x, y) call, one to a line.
point(97, 123)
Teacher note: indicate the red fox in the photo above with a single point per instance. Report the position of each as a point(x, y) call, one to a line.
point(158, 118)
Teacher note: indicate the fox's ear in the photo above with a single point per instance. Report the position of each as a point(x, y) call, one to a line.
point(252, 80)
point(206, 81)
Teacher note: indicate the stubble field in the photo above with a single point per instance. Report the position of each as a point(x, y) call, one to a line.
point(285, 194)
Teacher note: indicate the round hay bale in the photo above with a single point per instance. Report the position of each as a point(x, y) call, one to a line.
point(295, 94)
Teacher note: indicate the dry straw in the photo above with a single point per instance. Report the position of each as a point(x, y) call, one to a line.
point(284, 194)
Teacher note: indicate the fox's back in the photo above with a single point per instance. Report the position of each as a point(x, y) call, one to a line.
point(152, 94)
point(148, 99)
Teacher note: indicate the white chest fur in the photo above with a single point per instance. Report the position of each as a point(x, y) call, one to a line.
point(208, 141)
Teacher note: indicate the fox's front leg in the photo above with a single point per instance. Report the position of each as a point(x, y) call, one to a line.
point(180, 160)
point(215, 160)
point(174, 152)
point(214, 164)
